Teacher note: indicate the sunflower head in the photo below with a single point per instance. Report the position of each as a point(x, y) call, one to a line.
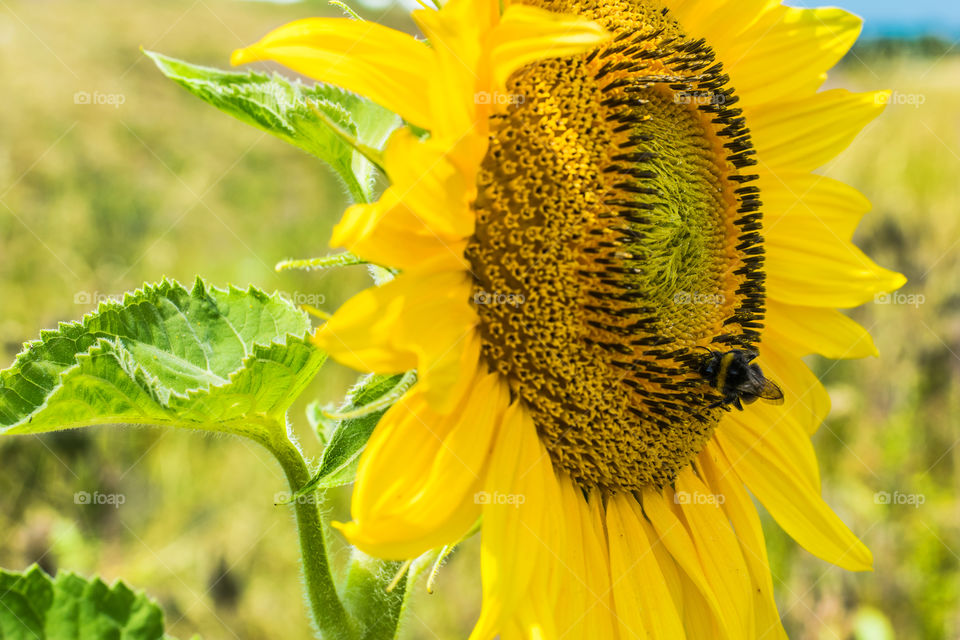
point(611, 235)
point(614, 200)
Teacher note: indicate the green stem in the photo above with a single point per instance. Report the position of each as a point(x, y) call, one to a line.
point(328, 611)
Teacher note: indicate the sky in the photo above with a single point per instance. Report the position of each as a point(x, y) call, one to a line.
point(904, 18)
point(899, 17)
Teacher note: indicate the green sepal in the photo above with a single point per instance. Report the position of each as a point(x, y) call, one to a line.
point(344, 259)
point(347, 437)
point(373, 597)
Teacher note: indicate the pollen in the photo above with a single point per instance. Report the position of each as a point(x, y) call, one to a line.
point(618, 236)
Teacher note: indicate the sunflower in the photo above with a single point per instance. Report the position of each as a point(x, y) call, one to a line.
point(601, 213)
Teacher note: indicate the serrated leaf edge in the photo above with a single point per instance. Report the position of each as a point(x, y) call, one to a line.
point(133, 297)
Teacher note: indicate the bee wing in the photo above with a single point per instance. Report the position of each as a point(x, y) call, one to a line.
point(771, 392)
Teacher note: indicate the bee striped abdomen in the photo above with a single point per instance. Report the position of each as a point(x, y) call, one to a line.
point(720, 381)
point(737, 379)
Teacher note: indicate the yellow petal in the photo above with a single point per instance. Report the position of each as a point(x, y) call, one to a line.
point(800, 331)
point(413, 542)
point(719, 551)
point(743, 516)
point(827, 272)
point(798, 204)
point(640, 592)
point(516, 521)
point(389, 233)
point(571, 572)
point(698, 619)
point(674, 536)
point(387, 66)
point(668, 566)
point(430, 184)
point(805, 134)
point(527, 34)
point(601, 615)
point(764, 427)
point(806, 402)
point(419, 468)
point(534, 620)
point(725, 22)
point(798, 509)
point(456, 33)
point(808, 223)
point(394, 328)
point(584, 607)
point(793, 56)
point(423, 217)
point(537, 615)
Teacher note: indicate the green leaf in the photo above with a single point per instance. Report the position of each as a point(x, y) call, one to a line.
point(338, 127)
point(366, 404)
point(229, 361)
point(34, 606)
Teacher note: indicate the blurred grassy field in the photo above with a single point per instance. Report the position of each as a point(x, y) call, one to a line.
point(894, 425)
point(96, 199)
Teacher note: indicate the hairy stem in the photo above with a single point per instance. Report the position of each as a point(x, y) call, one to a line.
point(328, 611)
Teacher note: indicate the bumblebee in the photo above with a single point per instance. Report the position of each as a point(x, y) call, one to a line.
point(739, 381)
